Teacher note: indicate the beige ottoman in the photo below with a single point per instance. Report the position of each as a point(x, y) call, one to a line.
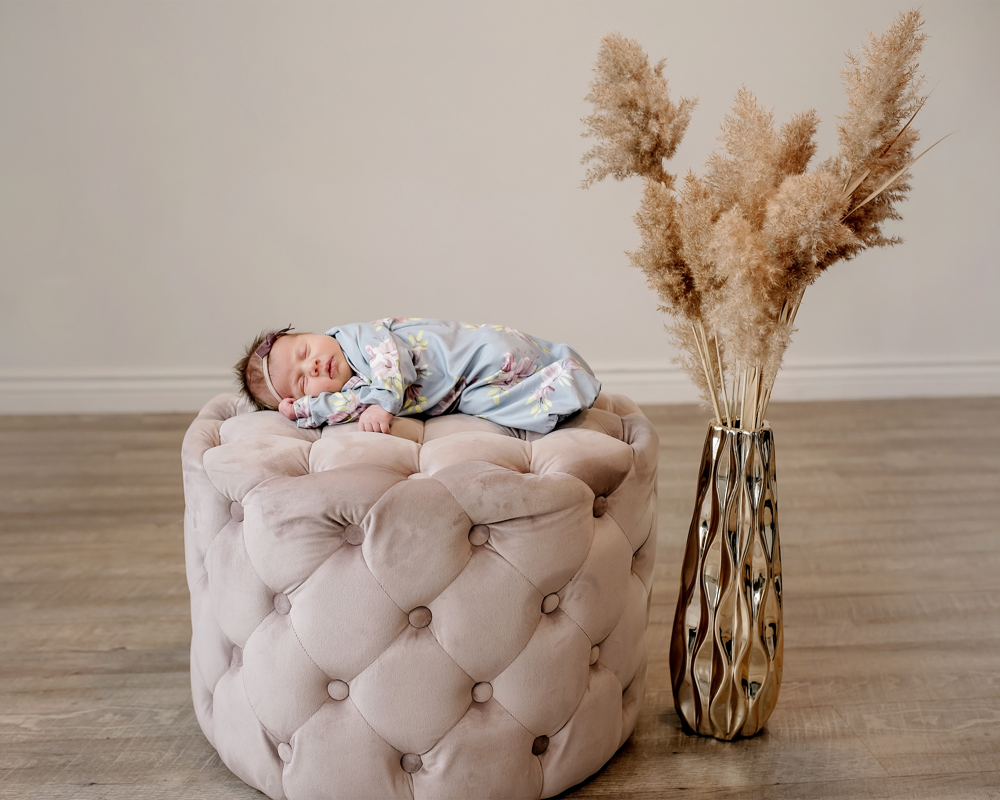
point(453, 610)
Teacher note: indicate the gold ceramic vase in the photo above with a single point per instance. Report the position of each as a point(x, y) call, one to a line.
point(726, 648)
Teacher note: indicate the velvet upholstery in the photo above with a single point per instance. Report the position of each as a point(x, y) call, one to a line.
point(453, 610)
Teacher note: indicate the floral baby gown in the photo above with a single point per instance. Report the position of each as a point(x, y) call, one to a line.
point(430, 367)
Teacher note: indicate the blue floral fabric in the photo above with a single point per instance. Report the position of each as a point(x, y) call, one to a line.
point(428, 367)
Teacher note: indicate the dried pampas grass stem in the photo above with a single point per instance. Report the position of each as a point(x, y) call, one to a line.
point(895, 177)
point(709, 378)
point(722, 381)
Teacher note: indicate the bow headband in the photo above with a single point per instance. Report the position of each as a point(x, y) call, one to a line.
point(263, 351)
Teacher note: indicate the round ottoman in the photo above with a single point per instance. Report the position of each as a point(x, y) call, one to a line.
point(455, 610)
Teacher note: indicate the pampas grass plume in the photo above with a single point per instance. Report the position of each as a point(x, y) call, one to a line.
point(731, 254)
point(635, 122)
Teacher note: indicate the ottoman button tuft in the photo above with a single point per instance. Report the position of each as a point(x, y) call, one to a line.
point(338, 690)
point(237, 511)
point(540, 745)
point(479, 535)
point(411, 762)
point(236, 659)
point(600, 505)
point(420, 617)
point(285, 752)
point(595, 653)
point(282, 604)
point(482, 692)
point(550, 603)
point(353, 534)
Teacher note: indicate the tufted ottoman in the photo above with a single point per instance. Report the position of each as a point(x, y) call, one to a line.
point(455, 610)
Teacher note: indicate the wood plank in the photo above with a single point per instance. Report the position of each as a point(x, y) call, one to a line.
point(890, 673)
point(930, 737)
point(945, 619)
point(962, 786)
point(130, 767)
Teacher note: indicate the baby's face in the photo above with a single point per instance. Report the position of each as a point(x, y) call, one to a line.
point(307, 363)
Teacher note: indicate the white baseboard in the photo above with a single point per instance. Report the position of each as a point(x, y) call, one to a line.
point(121, 391)
point(187, 391)
point(831, 380)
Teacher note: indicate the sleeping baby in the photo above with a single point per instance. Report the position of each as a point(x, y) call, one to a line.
point(371, 372)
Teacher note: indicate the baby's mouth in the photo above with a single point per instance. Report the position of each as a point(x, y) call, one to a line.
point(329, 368)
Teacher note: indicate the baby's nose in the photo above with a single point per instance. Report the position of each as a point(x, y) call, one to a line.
point(315, 367)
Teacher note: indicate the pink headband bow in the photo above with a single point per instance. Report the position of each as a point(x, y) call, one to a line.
point(269, 341)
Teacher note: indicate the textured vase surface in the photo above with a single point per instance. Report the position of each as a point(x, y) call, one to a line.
point(726, 647)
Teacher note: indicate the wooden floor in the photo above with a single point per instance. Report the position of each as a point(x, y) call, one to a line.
point(890, 532)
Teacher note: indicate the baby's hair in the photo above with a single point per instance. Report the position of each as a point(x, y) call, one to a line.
point(250, 373)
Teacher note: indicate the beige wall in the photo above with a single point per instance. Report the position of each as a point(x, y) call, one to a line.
point(175, 176)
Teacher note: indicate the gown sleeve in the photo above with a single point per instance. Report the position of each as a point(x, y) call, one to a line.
point(328, 408)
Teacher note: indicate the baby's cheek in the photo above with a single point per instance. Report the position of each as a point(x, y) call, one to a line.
point(318, 386)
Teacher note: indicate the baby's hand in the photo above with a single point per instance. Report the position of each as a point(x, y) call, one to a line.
point(285, 407)
point(375, 419)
